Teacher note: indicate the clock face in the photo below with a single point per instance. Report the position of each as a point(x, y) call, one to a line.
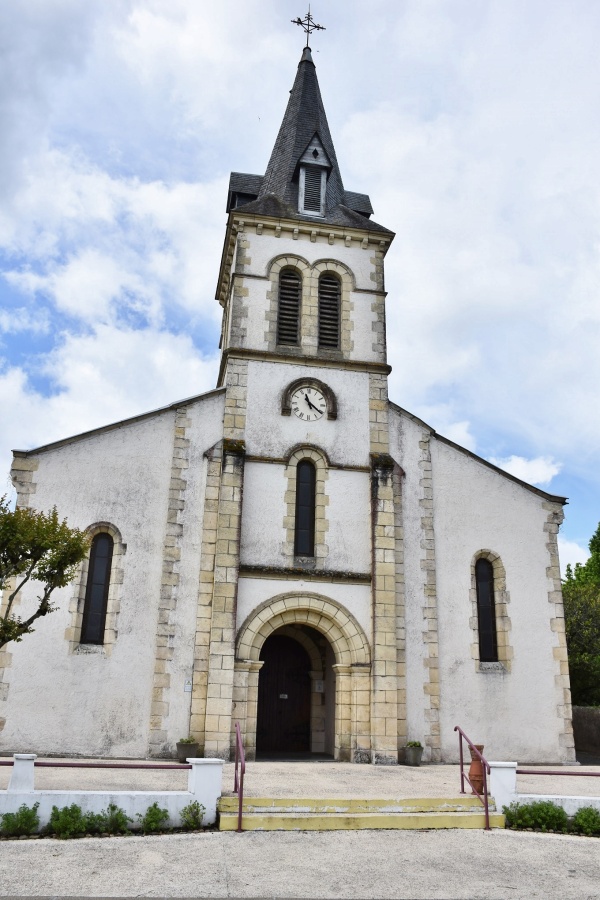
point(308, 404)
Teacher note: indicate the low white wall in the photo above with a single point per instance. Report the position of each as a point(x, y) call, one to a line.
point(204, 785)
point(503, 788)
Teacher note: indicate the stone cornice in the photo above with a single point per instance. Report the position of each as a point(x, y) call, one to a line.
point(308, 361)
point(297, 573)
point(237, 222)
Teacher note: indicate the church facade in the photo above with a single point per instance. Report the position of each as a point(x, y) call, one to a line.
point(293, 551)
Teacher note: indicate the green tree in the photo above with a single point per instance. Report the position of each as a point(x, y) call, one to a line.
point(581, 595)
point(34, 546)
point(588, 572)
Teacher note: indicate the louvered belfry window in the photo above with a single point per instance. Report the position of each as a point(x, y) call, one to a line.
point(288, 315)
point(329, 312)
point(96, 592)
point(486, 611)
point(312, 189)
point(306, 476)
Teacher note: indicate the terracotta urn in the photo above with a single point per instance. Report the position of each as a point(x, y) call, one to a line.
point(476, 771)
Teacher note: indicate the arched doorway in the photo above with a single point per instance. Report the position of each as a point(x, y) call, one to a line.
point(284, 689)
point(296, 694)
point(339, 671)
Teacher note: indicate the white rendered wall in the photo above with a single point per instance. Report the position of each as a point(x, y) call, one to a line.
point(405, 435)
point(514, 714)
point(356, 598)
point(348, 516)
point(268, 433)
point(92, 703)
point(266, 247)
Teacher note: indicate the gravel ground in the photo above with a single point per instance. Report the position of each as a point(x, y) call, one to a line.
point(398, 864)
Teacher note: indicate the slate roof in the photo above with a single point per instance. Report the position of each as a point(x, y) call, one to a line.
point(276, 194)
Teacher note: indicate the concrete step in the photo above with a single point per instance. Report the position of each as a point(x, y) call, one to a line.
point(304, 814)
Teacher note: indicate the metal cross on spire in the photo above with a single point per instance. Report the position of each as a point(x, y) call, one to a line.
point(308, 24)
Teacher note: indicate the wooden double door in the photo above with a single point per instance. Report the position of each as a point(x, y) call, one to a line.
point(284, 689)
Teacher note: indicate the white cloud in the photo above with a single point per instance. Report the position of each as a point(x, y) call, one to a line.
point(23, 319)
point(540, 470)
point(472, 126)
point(100, 378)
point(570, 553)
point(98, 246)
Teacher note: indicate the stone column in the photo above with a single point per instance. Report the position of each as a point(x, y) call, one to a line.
point(384, 698)
point(240, 699)
point(361, 713)
point(343, 715)
point(219, 698)
point(252, 709)
point(317, 714)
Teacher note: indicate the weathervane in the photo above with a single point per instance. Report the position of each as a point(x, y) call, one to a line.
point(308, 24)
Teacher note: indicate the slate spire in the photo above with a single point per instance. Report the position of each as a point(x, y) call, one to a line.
point(304, 117)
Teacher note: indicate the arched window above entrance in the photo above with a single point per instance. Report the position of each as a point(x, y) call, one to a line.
point(304, 536)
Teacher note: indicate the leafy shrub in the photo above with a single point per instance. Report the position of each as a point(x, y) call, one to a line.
point(414, 744)
point(153, 819)
point(587, 820)
point(542, 814)
point(67, 821)
point(192, 815)
point(24, 821)
point(114, 820)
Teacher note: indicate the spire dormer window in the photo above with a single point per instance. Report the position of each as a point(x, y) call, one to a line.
point(312, 190)
point(314, 166)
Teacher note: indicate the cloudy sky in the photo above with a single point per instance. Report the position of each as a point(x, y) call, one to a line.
point(474, 126)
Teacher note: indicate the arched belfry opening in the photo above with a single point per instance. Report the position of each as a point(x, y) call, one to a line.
point(302, 681)
point(296, 694)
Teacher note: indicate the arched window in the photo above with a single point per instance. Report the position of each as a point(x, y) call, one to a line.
point(288, 312)
point(329, 311)
point(304, 540)
point(96, 592)
point(486, 611)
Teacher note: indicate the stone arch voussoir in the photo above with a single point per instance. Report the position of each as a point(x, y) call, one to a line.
point(348, 640)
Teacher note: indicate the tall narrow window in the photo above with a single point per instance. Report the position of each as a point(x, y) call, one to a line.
point(329, 312)
point(288, 314)
point(486, 611)
point(306, 476)
point(96, 594)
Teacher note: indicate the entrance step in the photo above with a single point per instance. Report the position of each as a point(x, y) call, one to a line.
point(302, 814)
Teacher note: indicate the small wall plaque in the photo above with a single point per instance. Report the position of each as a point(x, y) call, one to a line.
point(187, 685)
point(283, 696)
point(319, 686)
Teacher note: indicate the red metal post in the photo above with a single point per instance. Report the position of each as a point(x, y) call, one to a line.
point(239, 783)
point(486, 770)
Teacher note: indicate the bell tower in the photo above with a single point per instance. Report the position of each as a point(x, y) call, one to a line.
point(305, 462)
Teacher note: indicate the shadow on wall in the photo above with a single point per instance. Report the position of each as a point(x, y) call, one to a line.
point(586, 729)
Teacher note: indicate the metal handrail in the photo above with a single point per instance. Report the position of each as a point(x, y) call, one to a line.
point(486, 771)
point(554, 772)
point(238, 782)
point(84, 765)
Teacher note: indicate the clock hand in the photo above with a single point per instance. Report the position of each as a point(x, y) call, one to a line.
point(310, 404)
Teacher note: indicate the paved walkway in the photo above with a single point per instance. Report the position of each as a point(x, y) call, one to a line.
point(306, 779)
